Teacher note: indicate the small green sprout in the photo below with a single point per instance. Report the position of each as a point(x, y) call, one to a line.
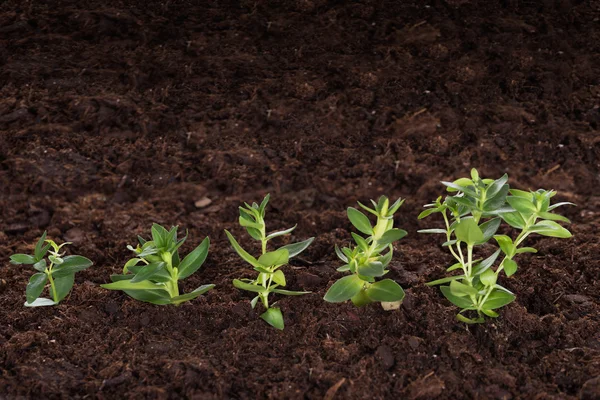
point(476, 199)
point(58, 270)
point(367, 260)
point(153, 274)
point(270, 277)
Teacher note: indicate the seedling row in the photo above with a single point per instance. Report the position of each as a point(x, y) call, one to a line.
point(472, 212)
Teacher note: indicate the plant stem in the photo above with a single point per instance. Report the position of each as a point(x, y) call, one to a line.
point(52, 286)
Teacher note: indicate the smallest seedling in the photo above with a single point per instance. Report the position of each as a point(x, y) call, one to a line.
point(58, 270)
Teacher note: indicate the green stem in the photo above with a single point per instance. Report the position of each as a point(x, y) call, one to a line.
point(52, 285)
point(173, 286)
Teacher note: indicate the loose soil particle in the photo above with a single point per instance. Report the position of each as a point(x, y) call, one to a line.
point(114, 115)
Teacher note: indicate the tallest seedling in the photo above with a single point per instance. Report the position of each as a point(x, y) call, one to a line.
point(472, 217)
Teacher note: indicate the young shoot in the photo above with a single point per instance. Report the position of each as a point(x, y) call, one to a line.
point(369, 258)
point(270, 277)
point(155, 271)
point(57, 269)
point(472, 217)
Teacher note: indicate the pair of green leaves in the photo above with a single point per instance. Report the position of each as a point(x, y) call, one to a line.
point(368, 259)
point(152, 276)
point(59, 271)
point(351, 286)
point(270, 277)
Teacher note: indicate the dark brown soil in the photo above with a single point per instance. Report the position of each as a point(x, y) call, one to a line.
point(114, 115)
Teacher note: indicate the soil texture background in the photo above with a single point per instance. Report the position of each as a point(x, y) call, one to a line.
point(117, 114)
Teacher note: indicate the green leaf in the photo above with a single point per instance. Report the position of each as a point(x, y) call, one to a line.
point(340, 254)
point(131, 263)
point(273, 317)
point(242, 253)
point(128, 285)
point(18, 259)
point(191, 295)
point(344, 289)
point(71, 265)
point(462, 302)
point(427, 213)
point(372, 269)
point(39, 251)
point(454, 267)
point(445, 280)
point(521, 204)
point(459, 188)
point(387, 257)
point(522, 194)
point(514, 219)
point(40, 265)
point(564, 203)
point(391, 236)
point(461, 290)
point(280, 233)
point(485, 264)
point(249, 224)
point(488, 277)
point(148, 250)
point(394, 207)
point(489, 229)
point(467, 231)
point(360, 241)
point(193, 261)
point(40, 302)
point(296, 248)
point(289, 292)
point(63, 286)
point(496, 202)
point(343, 268)
point(526, 250)
point(466, 320)
point(159, 236)
point(361, 299)
point(554, 217)
point(279, 277)
point(35, 286)
point(254, 301)
point(370, 210)
point(551, 229)
point(147, 271)
point(263, 205)
point(496, 187)
point(273, 258)
point(263, 270)
point(506, 244)
point(159, 297)
point(464, 201)
point(119, 277)
point(498, 299)
point(385, 290)
point(432, 231)
point(360, 221)
point(510, 267)
point(490, 313)
point(249, 287)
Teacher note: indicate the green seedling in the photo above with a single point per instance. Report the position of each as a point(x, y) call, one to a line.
point(472, 217)
point(270, 277)
point(155, 271)
point(58, 270)
point(369, 258)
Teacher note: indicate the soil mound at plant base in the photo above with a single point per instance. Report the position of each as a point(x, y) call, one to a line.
point(115, 116)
